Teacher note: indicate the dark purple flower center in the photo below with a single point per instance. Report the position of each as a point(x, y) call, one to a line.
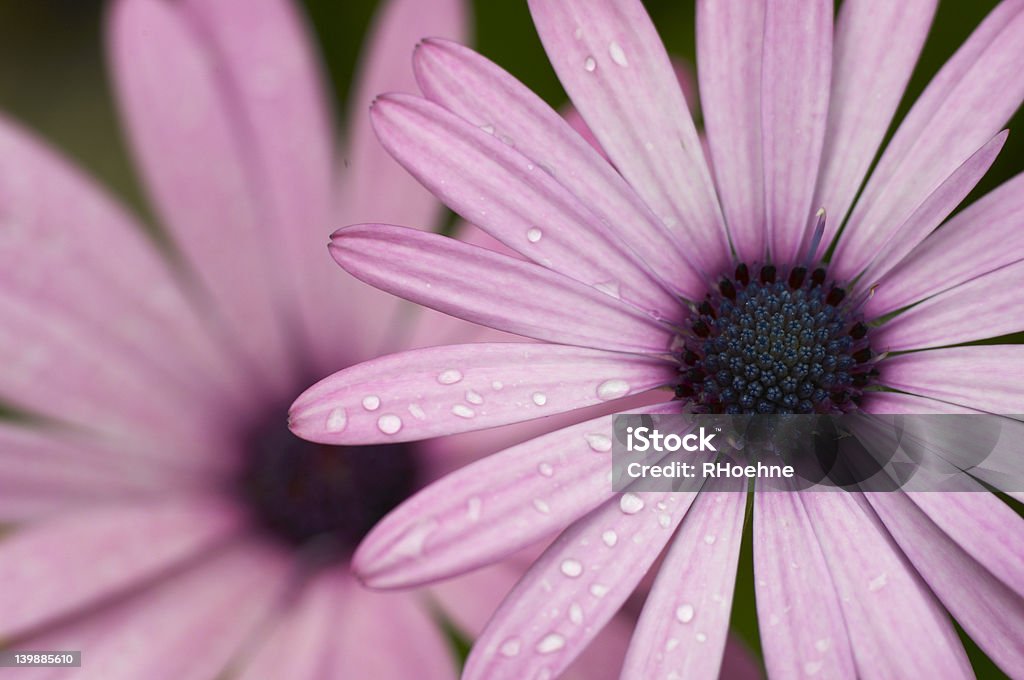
point(783, 340)
point(300, 492)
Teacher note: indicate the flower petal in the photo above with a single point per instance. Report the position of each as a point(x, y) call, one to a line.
point(112, 548)
point(575, 587)
point(487, 96)
point(880, 595)
point(609, 58)
point(985, 307)
point(978, 240)
point(986, 378)
point(964, 106)
point(937, 207)
point(492, 508)
point(801, 622)
point(494, 290)
point(875, 49)
point(962, 543)
point(685, 620)
point(503, 192)
point(443, 390)
point(729, 51)
point(795, 78)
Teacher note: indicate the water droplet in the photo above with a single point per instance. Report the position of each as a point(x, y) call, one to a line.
point(539, 398)
point(511, 647)
point(684, 613)
point(611, 288)
point(337, 420)
point(610, 538)
point(497, 385)
point(463, 411)
point(812, 667)
point(617, 54)
point(489, 129)
point(671, 644)
point(701, 637)
point(411, 544)
point(598, 590)
point(630, 503)
point(589, 64)
point(389, 423)
point(449, 377)
point(649, 146)
point(545, 469)
point(474, 397)
point(709, 539)
point(664, 520)
point(878, 582)
point(534, 234)
point(473, 507)
point(576, 613)
point(822, 645)
point(417, 412)
point(541, 506)
point(572, 568)
point(612, 389)
point(551, 642)
point(371, 402)
point(599, 442)
point(578, 33)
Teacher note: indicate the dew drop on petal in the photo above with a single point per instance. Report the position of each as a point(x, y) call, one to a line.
point(578, 33)
point(701, 637)
point(510, 647)
point(684, 613)
point(822, 645)
point(671, 644)
point(878, 582)
point(371, 402)
point(612, 389)
point(576, 613)
point(812, 667)
point(497, 385)
point(599, 442)
point(617, 54)
point(664, 520)
point(630, 503)
point(463, 411)
point(473, 507)
point(417, 412)
point(389, 423)
point(474, 397)
point(449, 377)
point(611, 288)
point(610, 538)
point(709, 539)
point(545, 469)
point(539, 398)
point(589, 64)
point(489, 129)
point(572, 568)
point(598, 590)
point(534, 234)
point(337, 420)
point(551, 642)
point(541, 506)
point(411, 544)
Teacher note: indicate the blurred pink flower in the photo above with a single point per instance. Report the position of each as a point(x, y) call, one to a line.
point(164, 520)
point(663, 269)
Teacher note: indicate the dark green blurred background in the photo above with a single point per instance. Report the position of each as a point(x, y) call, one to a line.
point(52, 74)
point(52, 78)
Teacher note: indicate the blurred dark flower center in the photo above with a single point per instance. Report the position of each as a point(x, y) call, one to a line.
point(775, 340)
point(301, 492)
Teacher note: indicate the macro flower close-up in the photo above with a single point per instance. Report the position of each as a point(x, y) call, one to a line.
point(798, 253)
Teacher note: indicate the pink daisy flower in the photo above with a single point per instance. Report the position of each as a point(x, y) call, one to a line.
point(663, 268)
point(159, 515)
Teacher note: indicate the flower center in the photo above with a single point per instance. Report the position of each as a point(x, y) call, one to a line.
point(781, 341)
point(298, 491)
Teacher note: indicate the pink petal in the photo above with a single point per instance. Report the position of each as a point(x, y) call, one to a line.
point(443, 390)
point(503, 192)
point(492, 508)
point(933, 211)
point(964, 106)
point(187, 628)
point(896, 627)
point(729, 50)
point(978, 240)
point(985, 378)
point(575, 587)
point(985, 307)
point(685, 621)
point(175, 100)
point(494, 290)
point(113, 548)
point(801, 621)
point(875, 49)
point(111, 343)
point(795, 80)
point(962, 543)
point(490, 98)
point(612, 63)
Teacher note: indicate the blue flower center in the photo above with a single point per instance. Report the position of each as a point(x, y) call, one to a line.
point(781, 341)
point(300, 492)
